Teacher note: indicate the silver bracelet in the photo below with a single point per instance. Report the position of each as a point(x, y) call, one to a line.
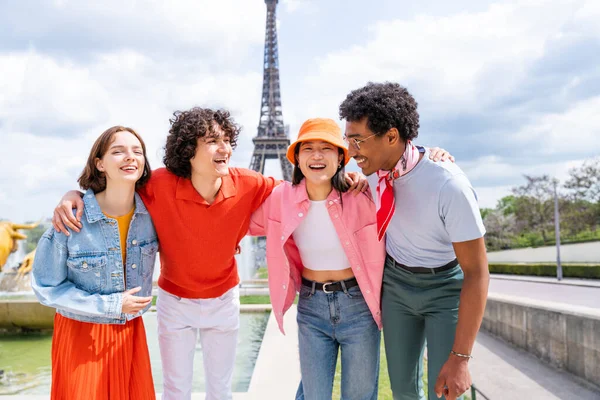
point(460, 355)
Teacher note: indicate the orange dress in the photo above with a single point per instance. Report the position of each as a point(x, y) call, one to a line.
point(101, 361)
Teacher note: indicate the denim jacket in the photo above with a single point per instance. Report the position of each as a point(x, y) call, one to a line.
point(82, 275)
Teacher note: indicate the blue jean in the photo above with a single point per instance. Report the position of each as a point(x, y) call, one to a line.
point(326, 323)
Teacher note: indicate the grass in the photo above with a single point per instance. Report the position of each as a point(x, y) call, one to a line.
point(255, 299)
point(261, 273)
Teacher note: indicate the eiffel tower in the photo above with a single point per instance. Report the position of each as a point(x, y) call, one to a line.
point(272, 139)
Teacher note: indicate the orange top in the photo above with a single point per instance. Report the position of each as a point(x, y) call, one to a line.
point(198, 240)
point(123, 221)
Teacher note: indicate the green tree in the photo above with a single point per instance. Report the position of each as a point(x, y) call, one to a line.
point(33, 236)
point(506, 205)
point(584, 182)
point(534, 206)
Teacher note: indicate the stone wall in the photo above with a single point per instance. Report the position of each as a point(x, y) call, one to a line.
point(25, 314)
point(565, 336)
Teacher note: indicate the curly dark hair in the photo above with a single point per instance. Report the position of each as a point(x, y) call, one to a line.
point(186, 128)
point(386, 105)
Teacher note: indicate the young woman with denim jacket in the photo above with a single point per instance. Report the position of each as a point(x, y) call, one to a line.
point(322, 242)
point(100, 280)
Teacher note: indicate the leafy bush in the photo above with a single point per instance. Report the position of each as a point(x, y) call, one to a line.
point(590, 271)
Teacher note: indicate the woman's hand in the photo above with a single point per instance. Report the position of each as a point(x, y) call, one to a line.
point(133, 304)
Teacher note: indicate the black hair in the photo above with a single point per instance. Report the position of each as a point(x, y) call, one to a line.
point(385, 105)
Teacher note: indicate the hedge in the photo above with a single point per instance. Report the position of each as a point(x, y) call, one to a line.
point(590, 271)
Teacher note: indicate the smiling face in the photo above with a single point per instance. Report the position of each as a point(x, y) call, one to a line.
point(374, 152)
point(212, 156)
point(319, 161)
point(124, 159)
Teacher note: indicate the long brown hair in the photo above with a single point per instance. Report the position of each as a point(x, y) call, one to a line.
point(92, 178)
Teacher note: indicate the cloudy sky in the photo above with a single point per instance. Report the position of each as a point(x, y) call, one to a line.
point(509, 87)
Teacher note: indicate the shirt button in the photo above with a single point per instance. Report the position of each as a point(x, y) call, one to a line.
point(358, 268)
point(300, 215)
point(133, 266)
point(284, 286)
point(336, 215)
point(368, 291)
point(283, 237)
point(347, 243)
point(330, 202)
point(134, 242)
point(84, 265)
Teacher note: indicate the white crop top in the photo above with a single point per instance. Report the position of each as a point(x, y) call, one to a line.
point(319, 245)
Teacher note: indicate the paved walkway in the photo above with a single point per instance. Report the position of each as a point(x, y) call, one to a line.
point(595, 283)
point(568, 291)
point(569, 253)
point(502, 371)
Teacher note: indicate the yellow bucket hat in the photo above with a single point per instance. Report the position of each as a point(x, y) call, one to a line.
point(319, 129)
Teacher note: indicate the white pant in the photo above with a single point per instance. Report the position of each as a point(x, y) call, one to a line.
point(179, 322)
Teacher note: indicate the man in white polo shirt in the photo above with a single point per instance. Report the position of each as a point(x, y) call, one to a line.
point(436, 274)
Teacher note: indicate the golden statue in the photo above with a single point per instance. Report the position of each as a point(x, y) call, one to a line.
point(9, 236)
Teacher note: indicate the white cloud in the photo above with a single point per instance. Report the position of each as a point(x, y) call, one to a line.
point(575, 130)
point(73, 69)
point(306, 6)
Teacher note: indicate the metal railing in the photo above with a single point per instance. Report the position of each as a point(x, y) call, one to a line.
point(477, 394)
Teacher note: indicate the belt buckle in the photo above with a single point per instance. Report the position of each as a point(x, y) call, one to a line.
point(325, 286)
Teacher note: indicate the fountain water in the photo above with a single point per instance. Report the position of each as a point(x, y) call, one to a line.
point(246, 259)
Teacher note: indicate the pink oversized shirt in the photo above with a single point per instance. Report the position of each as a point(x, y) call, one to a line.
point(356, 226)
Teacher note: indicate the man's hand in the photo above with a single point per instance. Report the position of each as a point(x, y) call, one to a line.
point(437, 154)
point(133, 304)
point(63, 214)
point(357, 181)
point(454, 378)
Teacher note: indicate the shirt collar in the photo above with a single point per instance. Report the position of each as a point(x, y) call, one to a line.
point(186, 191)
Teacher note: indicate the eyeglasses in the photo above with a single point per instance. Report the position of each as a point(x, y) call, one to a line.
point(355, 142)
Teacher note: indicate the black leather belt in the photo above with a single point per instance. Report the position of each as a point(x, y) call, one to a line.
point(330, 287)
point(424, 270)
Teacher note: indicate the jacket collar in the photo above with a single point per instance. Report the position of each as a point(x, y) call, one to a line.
point(93, 212)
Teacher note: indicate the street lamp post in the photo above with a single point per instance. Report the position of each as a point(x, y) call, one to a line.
point(559, 272)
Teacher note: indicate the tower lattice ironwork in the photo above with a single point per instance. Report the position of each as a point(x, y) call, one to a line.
point(272, 139)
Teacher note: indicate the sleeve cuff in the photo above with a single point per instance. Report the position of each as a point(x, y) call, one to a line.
point(115, 304)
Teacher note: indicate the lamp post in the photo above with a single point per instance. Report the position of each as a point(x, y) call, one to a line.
point(559, 272)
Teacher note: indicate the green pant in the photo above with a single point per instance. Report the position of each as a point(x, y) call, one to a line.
point(418, 309)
